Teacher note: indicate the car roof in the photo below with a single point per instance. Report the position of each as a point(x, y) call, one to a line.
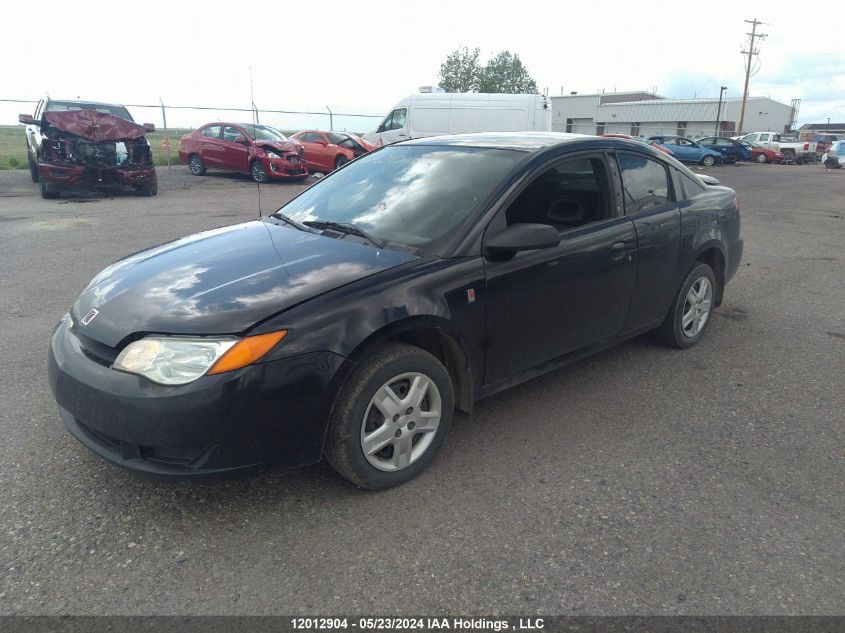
point(85, 101)
point(525, 141)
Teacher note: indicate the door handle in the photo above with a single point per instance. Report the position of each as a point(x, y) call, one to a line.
point(619, 251)
point(402, 135)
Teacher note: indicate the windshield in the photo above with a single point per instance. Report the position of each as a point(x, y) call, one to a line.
point(263, 133)
point(67, 106)
point(409, 195)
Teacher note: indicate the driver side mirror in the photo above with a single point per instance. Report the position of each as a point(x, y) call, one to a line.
point(149, 127)
point(522, 237)
point(240, 140)
point(26, 119)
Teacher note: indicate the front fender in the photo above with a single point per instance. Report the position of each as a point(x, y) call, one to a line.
point(424, 294)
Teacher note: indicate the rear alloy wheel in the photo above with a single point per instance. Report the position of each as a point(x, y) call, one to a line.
point(257, 172)
point(708, 161)
point(691, 310)
point(391, 417)
point(761, 158)
point(47, 193)
point(340, 161)
point(195, 165)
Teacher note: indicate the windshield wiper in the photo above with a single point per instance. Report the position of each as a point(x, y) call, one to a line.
point(344, 227)
point(287, 220)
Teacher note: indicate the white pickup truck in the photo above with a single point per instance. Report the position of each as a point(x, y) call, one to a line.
point(793, 150)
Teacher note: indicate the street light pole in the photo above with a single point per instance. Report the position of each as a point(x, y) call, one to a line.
point(719, 110)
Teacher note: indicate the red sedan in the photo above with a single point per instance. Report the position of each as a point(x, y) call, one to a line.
point(325, 151)
point(762, 154)
point(258, 150)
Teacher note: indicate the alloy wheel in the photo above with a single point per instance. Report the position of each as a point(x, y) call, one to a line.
point(697, 307)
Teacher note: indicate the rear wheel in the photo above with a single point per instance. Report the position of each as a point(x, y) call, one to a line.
point(340, 161)
point(391, 417)
point(789, 156)
point(150, 189)
point(691, 310)
point(33, 168)
point(47, 193)
point(195, 165)
point(257, 172)
point(761, 158)
point(708, 161)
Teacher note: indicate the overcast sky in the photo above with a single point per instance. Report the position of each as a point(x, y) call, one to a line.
point(365, 55)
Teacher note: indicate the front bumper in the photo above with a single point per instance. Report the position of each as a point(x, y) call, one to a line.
point(274, 412)
point(284, 167)
point(69, 176)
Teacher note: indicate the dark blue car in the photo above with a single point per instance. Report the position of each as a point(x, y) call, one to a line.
point(687, 150)
point(731, 150)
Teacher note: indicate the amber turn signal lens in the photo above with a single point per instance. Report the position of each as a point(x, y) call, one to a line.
point(247, 351)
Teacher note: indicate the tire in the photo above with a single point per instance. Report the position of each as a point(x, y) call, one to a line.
point(761, 158)
point(789, 157)
point(151, 189)
point(693, 304)
point(33, 167)
point(395, 371)
point(256, 170)
point(48, 194)
point(195, 165)
point(340, 161)
point(708, 161)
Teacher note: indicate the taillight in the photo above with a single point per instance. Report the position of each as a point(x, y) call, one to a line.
point(806, 146)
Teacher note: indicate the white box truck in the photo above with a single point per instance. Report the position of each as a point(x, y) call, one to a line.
point(437, 113)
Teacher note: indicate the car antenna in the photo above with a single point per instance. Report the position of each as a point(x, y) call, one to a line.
point(254, 131)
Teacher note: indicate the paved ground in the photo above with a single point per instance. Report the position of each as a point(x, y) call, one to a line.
point(644, 480)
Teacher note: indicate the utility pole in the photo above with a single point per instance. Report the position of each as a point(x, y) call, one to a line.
point(750, 52)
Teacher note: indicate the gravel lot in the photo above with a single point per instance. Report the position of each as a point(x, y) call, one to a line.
point(641, 481)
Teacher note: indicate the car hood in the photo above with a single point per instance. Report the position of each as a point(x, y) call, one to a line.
point(367, 145)
point(291, 145)
point(222, 281)
point(95, 126)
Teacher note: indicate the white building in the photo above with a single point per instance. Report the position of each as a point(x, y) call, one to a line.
point(643, 114)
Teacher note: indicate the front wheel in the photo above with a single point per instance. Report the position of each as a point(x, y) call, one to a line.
point(690, 312)
point(340, 161)
point(391, 417)
point(257, 172)
point(761, 158)
point(708, 161)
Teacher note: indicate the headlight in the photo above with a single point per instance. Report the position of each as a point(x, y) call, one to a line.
point(272, 154)
point(172, 360)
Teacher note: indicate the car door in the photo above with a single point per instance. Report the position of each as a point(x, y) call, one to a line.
point(690, 151)
point(651, 204)
point(544, 304)
point(324, 154)
point(765, 140)
point(234, 155)
point(209, 145)
point(395, 128)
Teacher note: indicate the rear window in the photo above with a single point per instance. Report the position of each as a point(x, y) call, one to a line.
point(645, 183)
point(67, 106)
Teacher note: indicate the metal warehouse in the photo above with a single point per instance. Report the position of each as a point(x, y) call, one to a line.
point(645, 113)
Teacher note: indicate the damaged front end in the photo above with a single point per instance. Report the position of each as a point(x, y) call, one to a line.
point(83, 148)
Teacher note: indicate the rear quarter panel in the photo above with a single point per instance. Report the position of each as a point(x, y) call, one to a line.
point(710, 220)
